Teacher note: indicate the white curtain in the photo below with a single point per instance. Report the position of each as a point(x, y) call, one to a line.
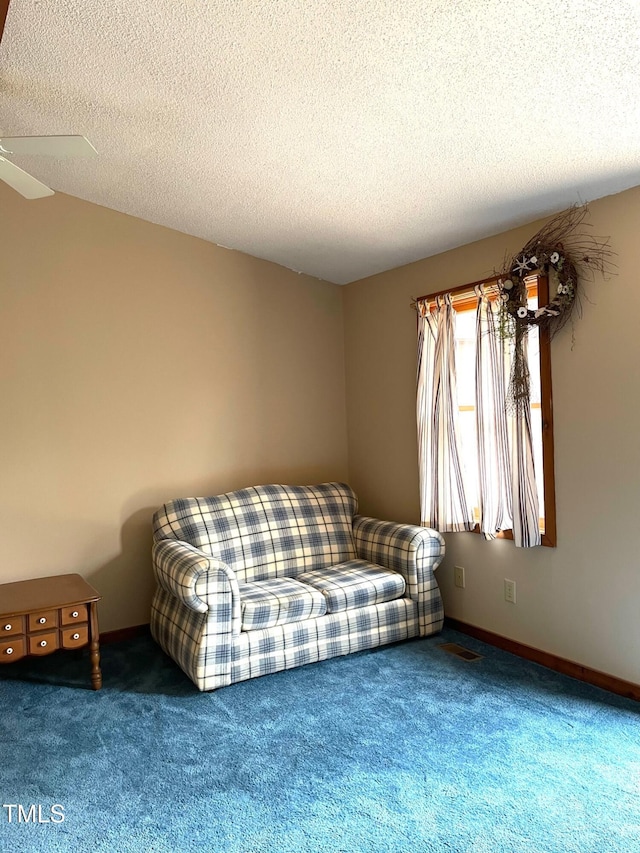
point(507, 493)
point(443, 499)
point(494, 461)
point(526, 525)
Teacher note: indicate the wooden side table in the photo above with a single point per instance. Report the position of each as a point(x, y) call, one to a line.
point(44, 614)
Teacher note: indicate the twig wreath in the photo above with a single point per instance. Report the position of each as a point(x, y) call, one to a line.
point(565, 255)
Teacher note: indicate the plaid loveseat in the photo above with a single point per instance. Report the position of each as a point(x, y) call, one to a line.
point(272, 577)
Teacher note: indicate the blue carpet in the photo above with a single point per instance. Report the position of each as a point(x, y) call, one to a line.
point(404, 748)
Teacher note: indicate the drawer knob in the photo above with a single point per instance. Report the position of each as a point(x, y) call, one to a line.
point(43, 643)
point(8, 651)
point(42, 620)
point(75, 614)
point(7, 627)
point(76, 636)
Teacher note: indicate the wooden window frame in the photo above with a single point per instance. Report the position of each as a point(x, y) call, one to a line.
point(464, 298)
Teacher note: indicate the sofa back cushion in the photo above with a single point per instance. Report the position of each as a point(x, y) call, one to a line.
point(266, 531)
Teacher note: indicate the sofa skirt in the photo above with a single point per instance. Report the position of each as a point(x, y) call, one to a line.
point(213, 659)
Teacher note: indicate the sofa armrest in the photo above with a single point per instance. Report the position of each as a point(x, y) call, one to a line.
point(405, 548)
point(415, 552)
point(201, 582)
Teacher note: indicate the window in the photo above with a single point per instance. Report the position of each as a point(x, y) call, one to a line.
point(464, 303)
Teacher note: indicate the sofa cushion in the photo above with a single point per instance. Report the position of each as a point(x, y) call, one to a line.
point(355, 583)
point(265, 604)
point(266, 531)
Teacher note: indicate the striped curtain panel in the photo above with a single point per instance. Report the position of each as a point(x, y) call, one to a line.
point(443, 500)
point(526, 525)
point(507, 492)
point(492, 430)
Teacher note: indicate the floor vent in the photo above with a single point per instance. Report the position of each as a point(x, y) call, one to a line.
point(459, 651)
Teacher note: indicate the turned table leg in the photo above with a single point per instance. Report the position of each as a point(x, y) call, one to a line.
point(94, 647)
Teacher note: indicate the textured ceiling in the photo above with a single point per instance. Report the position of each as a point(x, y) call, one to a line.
point(338, 138)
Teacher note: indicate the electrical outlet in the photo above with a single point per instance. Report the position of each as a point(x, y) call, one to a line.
point(458, 576)
point(509, 591)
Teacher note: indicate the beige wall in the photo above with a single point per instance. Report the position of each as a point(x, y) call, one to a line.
point(579, 600)
point(138, 364)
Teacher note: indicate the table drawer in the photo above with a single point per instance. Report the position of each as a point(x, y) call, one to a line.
point(10, 625)
point(71, 615)
point(13, 649)
point(73, 638)
point(43, 620)
point(43, 643)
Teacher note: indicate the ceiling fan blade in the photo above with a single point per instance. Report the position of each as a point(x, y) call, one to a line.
point(22, 181)
point(53, 146)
